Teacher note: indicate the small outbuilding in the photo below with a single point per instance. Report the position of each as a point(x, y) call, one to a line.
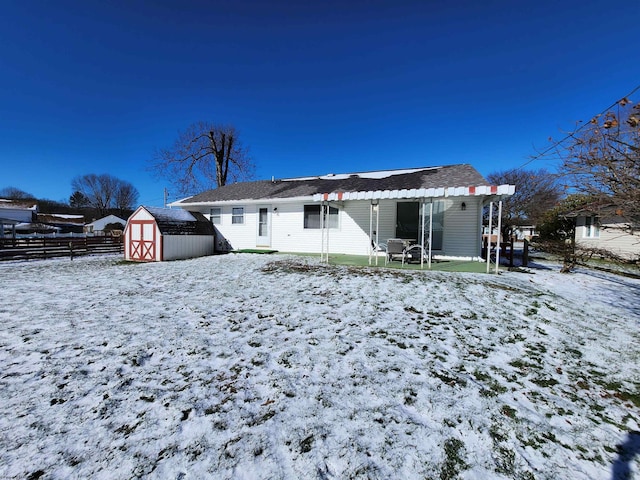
point(155, 234)
point(98, 226)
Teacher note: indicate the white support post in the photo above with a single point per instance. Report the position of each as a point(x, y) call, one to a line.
point(499, 233)
point(421, 223)
point(327, 225)
point(489, 235)
point(322, 233)
point(430, 232)
point(372, 244)
point(377, 229)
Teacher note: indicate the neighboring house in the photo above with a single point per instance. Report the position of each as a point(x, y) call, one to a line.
point(97, 226)
point(14, 213)
point(524, 232)
point(156, 234)
point(348, 213)
point(606, 229)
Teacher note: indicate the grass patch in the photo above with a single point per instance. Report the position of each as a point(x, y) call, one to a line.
point(453, 463)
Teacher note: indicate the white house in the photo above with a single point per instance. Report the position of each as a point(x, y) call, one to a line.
point(98, 225)
point(605, 228)
point(156, 234)
point(438, 207)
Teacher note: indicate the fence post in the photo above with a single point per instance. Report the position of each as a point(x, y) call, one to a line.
point(525, 253)
point(511, 252)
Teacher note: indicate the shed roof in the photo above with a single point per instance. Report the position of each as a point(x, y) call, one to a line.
point(422, 178)
point(180, 222)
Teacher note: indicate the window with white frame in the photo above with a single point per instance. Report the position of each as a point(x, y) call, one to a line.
point(237, 215)
point(312, 216)
point(216, 215)
point(591, 227)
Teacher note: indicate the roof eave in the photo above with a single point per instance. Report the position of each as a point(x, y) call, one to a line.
point(183, 204)
point(472, 191)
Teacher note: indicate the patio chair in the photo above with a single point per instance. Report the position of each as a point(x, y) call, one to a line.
point(415, 252)
point(395, 249)
point(376, 248)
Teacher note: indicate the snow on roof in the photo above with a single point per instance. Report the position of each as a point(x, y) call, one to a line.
point(61, 218)
point(180, 222)
point(17, 204)
point(374, 174)
point(67, 215)
point(170, 214)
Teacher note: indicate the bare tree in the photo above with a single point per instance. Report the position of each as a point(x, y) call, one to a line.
point(14, 193)
point(204, 156)
point(602, 160)
point(104, 192)
point(125, 196)
point(537, 191)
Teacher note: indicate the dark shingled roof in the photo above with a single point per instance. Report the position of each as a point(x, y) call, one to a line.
point(181, 222)
point(462, 175)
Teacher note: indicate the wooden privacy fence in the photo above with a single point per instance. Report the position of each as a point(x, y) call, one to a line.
point(48, 247)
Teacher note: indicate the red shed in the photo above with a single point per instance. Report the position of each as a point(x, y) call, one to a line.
point(155, 234)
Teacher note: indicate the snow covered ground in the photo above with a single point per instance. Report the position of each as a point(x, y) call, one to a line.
point(256, 366)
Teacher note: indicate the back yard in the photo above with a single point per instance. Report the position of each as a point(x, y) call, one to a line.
point(258, 366)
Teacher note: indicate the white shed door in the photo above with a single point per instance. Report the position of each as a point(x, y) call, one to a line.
point(142, 241)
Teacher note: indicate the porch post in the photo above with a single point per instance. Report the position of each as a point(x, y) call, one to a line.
point(423, 205)
point(327, 224)
point(499, 233)
point(377, 207)
point(489, 237)
point(372, 244)
point(322, 232)
point(430, 231)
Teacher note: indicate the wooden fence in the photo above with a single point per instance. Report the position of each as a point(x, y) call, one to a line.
point(48, 247)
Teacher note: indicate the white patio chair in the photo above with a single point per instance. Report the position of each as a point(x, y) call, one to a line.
point(395, 249)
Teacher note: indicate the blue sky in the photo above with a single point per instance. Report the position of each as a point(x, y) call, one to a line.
point(313, 87)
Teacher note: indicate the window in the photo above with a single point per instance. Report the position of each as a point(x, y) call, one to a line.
point(216, 215)
point(237, 215)
point(312, 216)
point(591, 228)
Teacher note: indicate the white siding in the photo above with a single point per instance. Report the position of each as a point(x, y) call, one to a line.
point(461, 236)
point(177, 247)
point(461, 228)
point(238, 235)
point(612, 238)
